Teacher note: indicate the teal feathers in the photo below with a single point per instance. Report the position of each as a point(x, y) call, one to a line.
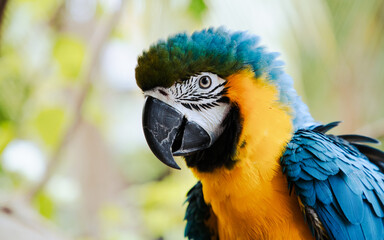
point(337, 181)
point(182, 56)
point(196, 214)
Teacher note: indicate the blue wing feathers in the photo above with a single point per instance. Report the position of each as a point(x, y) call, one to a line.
point(293, 169)
point(315, 173)
point(323, 192)
point(341, 184)
point(381, 197)
point(196, 215)
point(346, 168)
point(358, 138)
point(375, 202)
point(332, 222)
point(350, 203)
point(304, 176)
point(327, 127)
point(306, 184)
point(372, 225)
point(329, 167)
point(353, 182)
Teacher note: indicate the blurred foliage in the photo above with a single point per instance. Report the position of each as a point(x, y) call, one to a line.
point(69, 52)
point(40, 10)
point(197, 8)
point(14, 90)
point(50, 123)
point(7, 133)
point(343, 64)
point(162, 204)
point(44, 205)
point(134, 164)
point(109, 185)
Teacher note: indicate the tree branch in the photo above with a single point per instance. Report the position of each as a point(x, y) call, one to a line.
point(98, 40)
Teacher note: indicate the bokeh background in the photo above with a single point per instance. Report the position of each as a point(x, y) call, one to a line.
point(73, 160)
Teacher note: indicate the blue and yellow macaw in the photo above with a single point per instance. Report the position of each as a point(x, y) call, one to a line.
point(266, 169)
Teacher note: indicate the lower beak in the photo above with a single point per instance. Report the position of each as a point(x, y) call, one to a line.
point(169, 133)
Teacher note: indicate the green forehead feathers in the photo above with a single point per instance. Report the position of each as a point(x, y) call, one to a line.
point(217, 51)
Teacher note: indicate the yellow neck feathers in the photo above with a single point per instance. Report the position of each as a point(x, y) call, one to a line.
point(251, 200)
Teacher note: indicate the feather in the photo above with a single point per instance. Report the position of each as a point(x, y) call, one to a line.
point(353, 138)
point(373, 154)
point(350, 203)
point(305, 184)
point(353, 182)
point(330, 167)
point(306, 189)
point(316, 174)
point(323, 192)
point(345, 167)
point(293, 170)
point(326, 128)
point(375, 203)
point(196, 214)
point(348, 187)
point(372, 225)
point(315, 224)
point(332, 222)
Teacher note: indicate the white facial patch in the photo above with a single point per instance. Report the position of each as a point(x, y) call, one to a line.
point(200, 99)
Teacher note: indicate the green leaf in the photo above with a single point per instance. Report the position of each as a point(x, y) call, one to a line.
point(197, 8)
point(45, 205)
point(14, 90)
point(69, 53)
point(7, 133)
point(50, 124)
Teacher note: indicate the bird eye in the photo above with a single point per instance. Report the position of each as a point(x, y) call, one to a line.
point(205, 82)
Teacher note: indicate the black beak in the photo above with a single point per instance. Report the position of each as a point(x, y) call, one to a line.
point(169, 133)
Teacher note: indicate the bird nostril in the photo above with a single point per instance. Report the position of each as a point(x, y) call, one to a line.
point(163, 92)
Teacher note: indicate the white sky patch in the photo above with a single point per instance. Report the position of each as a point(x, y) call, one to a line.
point(263, 18)
point(25, 158)
point(125, 132)
point(118, 64)
point(81, 10)
point(110, 6)
point(63, 189)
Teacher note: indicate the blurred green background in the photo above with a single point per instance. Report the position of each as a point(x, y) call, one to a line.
point(74, 162)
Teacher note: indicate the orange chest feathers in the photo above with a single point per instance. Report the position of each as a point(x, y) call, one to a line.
point(251, 200)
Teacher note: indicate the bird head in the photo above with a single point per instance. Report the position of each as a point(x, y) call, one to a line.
point(203, 89)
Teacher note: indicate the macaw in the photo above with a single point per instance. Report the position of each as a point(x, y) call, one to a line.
point(265, 168)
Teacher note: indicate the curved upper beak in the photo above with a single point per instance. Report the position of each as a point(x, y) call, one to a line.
point(169, 133)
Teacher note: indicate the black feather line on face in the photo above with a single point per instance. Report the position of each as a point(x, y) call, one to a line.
point(214, 89)
point(221, 153)
point(186, 105)
point(195, 106)
point(223, 100)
